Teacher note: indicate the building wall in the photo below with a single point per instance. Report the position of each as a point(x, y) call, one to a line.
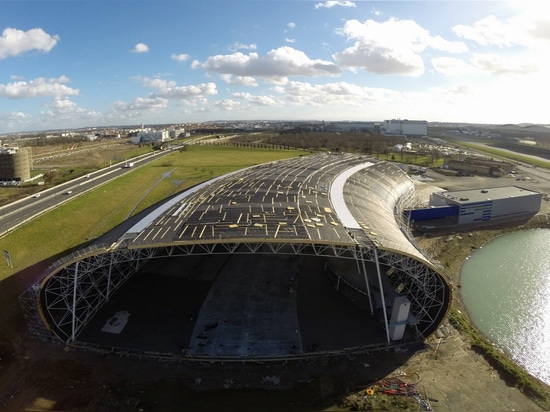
point(406, 127)
point(517, 205)
point(16, 165)
point(393, 126)
point(437, 200)
point(491, 209)
point(472, 168)
point(475, 212)
point(175, 133)
point(480, 166)
point(415, 128)
point(506, 208)
point(145, 136)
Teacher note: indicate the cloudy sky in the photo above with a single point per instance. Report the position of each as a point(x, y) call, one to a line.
point(66, 64)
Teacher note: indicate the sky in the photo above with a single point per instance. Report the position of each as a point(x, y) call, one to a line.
point(85, 63)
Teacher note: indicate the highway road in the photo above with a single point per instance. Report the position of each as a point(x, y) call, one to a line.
point(17, 213)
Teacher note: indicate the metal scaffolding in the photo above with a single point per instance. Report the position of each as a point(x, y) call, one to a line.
point(70, 295)
point(283, 208)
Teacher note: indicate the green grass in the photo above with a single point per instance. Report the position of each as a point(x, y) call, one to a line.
point(518, 157)
point(88, 216)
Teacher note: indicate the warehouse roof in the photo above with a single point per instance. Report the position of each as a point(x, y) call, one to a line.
point(480, 195)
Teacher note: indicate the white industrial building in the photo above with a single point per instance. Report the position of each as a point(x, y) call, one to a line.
point(483, 205)
point(405, 127)
point(174, 134)
point(150, 136)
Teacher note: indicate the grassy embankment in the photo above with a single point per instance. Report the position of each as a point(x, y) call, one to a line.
point(509, 371)
point(88, 216)
point(504, 154)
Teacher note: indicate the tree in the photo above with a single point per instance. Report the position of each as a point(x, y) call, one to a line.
point(50, 175)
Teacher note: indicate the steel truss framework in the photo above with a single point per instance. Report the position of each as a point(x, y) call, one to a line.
point(71, 294)
point(67, 296)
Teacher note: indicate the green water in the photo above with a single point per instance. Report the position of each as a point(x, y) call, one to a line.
point(505, 287)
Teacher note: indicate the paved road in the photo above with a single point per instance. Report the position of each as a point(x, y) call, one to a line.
point(17, 213)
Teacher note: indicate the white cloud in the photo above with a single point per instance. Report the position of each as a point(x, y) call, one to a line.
point(155, 83)
point(376, 12)
point(502, 65)
point(245, 103)
point(15, 120)
point(488, 31)
point(195, 91)
point(276, 66)
point(140, 104)
point(239, 80)
point(519, 45)
point(338, 94)
point(14, 42)
point(258, 100)
point(180, 57)
point(67, 111)
point(241, 46)
point(391, 47)
point(226, 105)
point(62, 104)
point(168, 89)
point(13, 116)
point(530, 28)
point(291, 41)
point(487, 64)
point(140, 48)
point(190, 92)
point(332, 3)
point(506, 97)
point(39, 87)
point(451, 66)
point(291, 25)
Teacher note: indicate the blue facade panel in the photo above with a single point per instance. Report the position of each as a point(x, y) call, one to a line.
point(431, 213)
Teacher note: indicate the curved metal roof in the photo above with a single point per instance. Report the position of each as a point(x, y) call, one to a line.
point(337, 199)
point(330, 205)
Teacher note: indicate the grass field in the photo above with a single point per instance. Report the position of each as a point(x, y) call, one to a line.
point(508, 155)
point(96, 212)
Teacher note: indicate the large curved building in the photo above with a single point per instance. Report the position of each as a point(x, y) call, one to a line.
point(290, 259)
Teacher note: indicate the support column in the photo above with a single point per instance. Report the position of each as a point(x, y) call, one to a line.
point(366, 281)
point(73, 334)
point(108, 294)
point(382, 295)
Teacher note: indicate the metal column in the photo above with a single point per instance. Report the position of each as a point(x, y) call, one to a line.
point(382, 295)
point(73, 335)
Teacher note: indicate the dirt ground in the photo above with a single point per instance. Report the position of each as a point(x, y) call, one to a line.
point(41, 376)
point(450, 371)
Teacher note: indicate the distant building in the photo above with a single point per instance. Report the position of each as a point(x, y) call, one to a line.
point(473, 165)
point(15, 164)
point(174, 134)
point(497, 203)
point(476, 207)
point(150, 136)
point(405, 127)
point(353, 127)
